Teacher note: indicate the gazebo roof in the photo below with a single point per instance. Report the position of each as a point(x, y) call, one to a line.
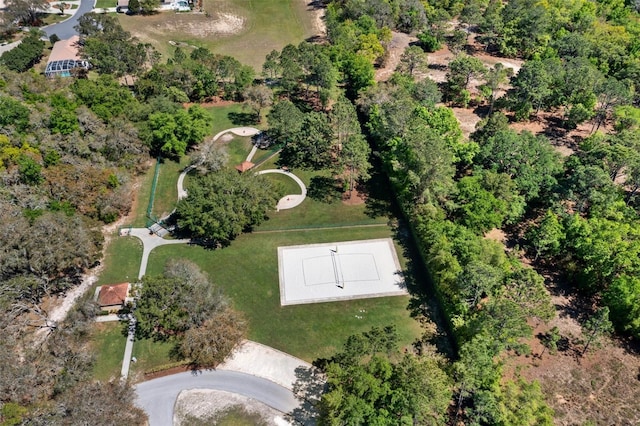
point(244, 166)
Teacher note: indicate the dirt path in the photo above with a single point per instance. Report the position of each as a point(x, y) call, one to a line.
point(399, 42)
point(60, 306)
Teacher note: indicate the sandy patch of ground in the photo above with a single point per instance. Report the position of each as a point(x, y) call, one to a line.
point(59, 306)
point(316, 8)
point(399, 42)
point(206, 405)
point(220, 24)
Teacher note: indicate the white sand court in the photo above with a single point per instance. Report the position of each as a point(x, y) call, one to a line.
point(339, 271)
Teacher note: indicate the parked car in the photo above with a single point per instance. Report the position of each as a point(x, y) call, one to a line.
point(180, 6)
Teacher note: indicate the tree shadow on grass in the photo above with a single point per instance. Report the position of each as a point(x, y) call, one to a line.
point(423, 305)
point(379, 202)
point(242, 118)
point(324, 189)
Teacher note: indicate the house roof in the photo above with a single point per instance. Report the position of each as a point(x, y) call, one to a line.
point(65, 49)
point(244, 166)
point(113, 294)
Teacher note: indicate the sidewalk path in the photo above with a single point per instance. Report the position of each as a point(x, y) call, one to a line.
point(266, 362)
point(9, 46)
point(292, 200)
point(240, 131)
point(149, 242)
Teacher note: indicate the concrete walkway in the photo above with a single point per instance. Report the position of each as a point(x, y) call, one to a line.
point(149, 242)
point(264, 361)
point(239, 131)
point(292, 200)
point(7, 47)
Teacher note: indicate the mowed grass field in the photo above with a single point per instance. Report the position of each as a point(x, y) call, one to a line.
point(247, 270)
point(244, 29)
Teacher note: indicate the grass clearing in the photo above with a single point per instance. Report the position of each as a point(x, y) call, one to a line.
point(247, 271)
point(167, 187)
point(232, 115)
point(108, 343)
point(122, 261)
point(102, 4)
point(245, 29)
point(150, 354)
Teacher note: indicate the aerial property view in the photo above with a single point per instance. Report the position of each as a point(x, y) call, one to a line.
point(333, 212)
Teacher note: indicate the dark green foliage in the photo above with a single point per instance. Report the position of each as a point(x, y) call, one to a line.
point(529, 160)
point(369, 382)
point(596, 326)
point(25, 55)
point(30, 170)
point(13, 113)
point(171, 134)
point(104, 96)
point(222, 205)
point(134, 7)
point(312, 147)
point(429, 42)
point(110, 49)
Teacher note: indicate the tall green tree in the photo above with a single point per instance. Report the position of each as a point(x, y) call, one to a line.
point(529, 160)
point(461, 70)
point(366, 385)
point(596, 326)
point(181, 299)
point(220, 206)
point(547, 238)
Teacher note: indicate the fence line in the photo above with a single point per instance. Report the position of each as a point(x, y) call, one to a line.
point(150, 217)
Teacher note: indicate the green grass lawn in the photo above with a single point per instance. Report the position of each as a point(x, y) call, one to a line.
point(247, 271)
point(238, 148)
point(108, 342)
point(150, 354)
point(167, 186)
point(233, 115)
point(101, 4)
point(122, 261)
point(260, 27)
point(288, 185)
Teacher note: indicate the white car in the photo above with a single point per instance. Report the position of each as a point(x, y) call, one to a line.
point(180, 6)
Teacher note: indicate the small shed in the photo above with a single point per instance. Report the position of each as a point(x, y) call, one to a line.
point(113, 297)
point(244, 166)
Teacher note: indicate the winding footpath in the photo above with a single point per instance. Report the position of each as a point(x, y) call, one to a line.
point(253, 370)
point(287, 202)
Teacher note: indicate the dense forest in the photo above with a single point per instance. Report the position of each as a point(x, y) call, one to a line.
point(70, 150)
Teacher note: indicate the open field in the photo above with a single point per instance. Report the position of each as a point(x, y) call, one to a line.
point(122, 261)
point(244, 29)
point(166, 189)
point(108, 343)
point(247, 271)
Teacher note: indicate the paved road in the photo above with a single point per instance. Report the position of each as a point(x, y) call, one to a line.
point(158, 396)
point(65, 29)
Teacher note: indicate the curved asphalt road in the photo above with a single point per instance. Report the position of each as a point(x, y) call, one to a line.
point(158, 396)
point(65, 29)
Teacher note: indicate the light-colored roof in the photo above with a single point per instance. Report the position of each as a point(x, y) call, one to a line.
point(113, 294)
point(65, 49)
